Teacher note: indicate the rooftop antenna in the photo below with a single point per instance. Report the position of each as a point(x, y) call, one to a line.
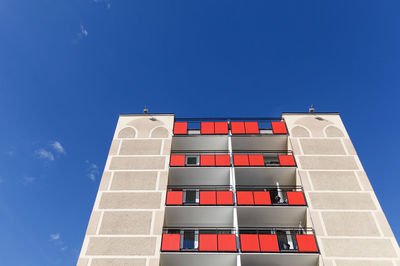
point(311, 109)
point(145, 110)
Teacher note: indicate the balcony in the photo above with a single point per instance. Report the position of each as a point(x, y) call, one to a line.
point(206, 239)
point(245, 240)
point(238, 159)
point(211, 195)
point(229, 126)
point(278, 239)
point(270, 196)
point(200, 195)
point(250, 134)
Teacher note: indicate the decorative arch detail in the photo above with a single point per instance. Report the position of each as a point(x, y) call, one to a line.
point(127, 133)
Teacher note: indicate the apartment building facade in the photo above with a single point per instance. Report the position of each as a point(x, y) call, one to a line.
point(236, 191)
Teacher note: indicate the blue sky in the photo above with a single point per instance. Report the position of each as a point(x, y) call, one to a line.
point(69, 67)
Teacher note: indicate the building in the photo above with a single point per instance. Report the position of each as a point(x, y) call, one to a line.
point(231, 192)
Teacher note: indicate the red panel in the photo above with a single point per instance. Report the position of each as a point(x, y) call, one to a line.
point(237, 128)
point(221, 127)
point(241, 159)
point(180, 128)
point(207, 128)
point(177, 160)
point(244, 198)
point(262, 198)
point(222, 160)
point(207, 160)
point(286, 160)
point(171, 242)
point(296, 198)
point(208, 198)
point(207, 242)
point(249, 242)
point(174, 197)
point(256, 160)
point(268, 243)
point(224, 198)
point(306, 243)
point(227, 242)
point(278, 127)
point(251, 127)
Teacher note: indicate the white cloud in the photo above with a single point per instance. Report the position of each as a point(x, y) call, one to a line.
point(63, 248)
point(83, 33)
point(106, 2)
point(54, 237)
point(28, 180)
point(44, 154)
point(58, 147)
point(92, 170)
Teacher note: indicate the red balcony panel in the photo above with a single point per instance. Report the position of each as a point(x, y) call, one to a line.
point(249, 242)
point(278, 127)
point(207, 160)
point(222, 160)
point(227, 242)
point(244, 198)
point(286, 160)
point(256, 160)
point(262, 198)
point(171, 242)
point(251, 127)
point(221, 127)
point(237, 128)
point(207, 128)
point(174, 197)
point(241, 159)
point(208, 242)
point(208, 198)
point(180, 128)
point(177, 160)
point(306, 243)
point(224, 198)
point(268, 243)
point(296, 198)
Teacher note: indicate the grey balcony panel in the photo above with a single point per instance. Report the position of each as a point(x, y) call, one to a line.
point(200, 143)
point(204, 216)
point(270, 217)
point(173, 259)
point(199, 176)
point(279, 259)
point(260, 142)
point(265, 176)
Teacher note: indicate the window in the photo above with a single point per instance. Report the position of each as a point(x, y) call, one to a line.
point(191, 197)
point(270, 159)
point(192, 160)
point(285, 241)
point(190, 239)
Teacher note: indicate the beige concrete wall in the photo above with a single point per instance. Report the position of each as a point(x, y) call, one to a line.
point(126, 222)
point(350, 225)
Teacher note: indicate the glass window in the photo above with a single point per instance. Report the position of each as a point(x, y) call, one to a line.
point(189, 239)
point(192, 160)
point(190, 196)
